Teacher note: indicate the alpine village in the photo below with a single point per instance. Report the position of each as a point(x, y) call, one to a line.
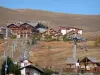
point(36, 48)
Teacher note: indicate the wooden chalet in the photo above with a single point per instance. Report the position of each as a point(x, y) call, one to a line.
point(22, 30)
point(25, 30)
point(51, 32)
point(86, 64)
point(66, 30)
point(14, 28)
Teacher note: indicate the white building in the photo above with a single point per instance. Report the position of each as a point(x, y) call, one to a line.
point(28, 69)
point(65, 30)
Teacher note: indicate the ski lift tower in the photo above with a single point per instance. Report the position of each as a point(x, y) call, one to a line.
point(75, 38)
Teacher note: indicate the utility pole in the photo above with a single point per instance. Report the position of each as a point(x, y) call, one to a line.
point(6, 53)
point(12, 49)
point(25, 46)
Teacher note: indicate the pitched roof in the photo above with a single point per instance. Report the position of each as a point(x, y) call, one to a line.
point(92, 59)
point(33, 67)
point(33, 23)
point(25, 60)
point(71, 61)
point(67, 28)
point(12, 25)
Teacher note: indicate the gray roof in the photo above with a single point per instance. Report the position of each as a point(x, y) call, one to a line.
point(33, 67)
point(93, 59)
point(71, 60)
point(42, 30)
point(33, 23)
point(22, 22)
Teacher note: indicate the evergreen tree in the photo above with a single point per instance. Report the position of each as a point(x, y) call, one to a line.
point(11, 67)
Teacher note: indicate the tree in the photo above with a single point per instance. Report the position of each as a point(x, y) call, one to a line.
point(16, 70)
point(11, 67)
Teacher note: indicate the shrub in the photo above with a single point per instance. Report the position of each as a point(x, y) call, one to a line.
point(66, 39)
point(48, 38)
point(48, 71)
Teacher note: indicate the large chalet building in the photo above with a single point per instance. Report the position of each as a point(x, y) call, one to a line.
point(24, 29)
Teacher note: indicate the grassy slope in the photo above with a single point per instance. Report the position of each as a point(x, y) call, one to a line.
point(53, 53)
point(59, 51)
point(87, 22)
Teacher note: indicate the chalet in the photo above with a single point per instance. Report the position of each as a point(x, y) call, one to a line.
point(77, 30)
point(22, 30)
point(51, 32)
point(25, 30)
point(28, 69)
point(86, 64)
point(14, 29)
point(65, 30)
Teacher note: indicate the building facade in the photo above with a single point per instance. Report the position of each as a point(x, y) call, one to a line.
point(66, 30)
point(21, 30)
point(28, 69)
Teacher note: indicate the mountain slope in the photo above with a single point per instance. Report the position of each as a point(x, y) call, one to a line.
point(87, 22)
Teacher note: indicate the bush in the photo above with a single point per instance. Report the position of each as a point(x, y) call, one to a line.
point(48, 71)
point(33, 41)
point(48, 38)
point(66, 39)
point(36, 36)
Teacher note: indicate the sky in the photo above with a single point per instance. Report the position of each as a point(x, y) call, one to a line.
point(63, 6)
